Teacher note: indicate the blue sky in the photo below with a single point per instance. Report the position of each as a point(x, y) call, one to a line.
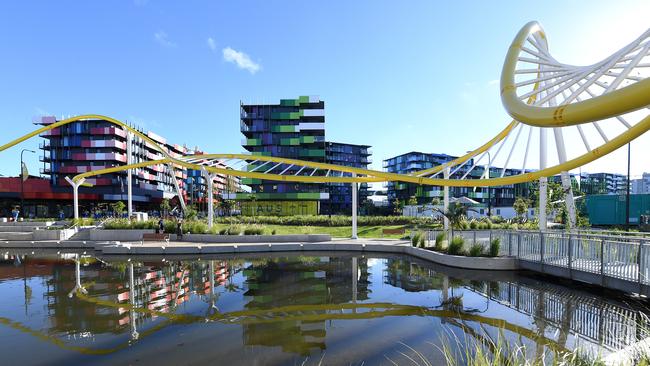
point(398, 75)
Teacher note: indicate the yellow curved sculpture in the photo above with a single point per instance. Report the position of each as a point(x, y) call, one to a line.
point(610, 104)
point(545, 106)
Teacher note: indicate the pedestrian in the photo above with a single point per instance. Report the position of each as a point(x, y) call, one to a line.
point(61, 215)
point(179, 229)
point(15, 212)
point(161, 226)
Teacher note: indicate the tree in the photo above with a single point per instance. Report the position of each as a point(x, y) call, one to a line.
point(520, 206)
point(455, 214)
point(413, 201)
point(367, 206)
point(190, 212)
point(118, 208)
point(397, 206)
point(226, 205)
point(253, 199)
point(435, 201)
point(165, 207)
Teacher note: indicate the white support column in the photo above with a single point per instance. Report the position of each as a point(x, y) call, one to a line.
point(354, 207)
point(134, 332)
point(445, 202)
point(209, 179)
point(355, 278)
point(566, 179)
point(543, 180)
point(75, 194)
point(129, 173)
point(172, 174)
point(77, 272)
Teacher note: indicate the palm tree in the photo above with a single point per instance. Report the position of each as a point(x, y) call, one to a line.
point(455, 214)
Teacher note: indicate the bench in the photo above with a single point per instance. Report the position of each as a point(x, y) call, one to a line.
point(155, 237)
point(400, 231)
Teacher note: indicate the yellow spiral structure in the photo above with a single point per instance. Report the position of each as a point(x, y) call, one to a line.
point(540, 93)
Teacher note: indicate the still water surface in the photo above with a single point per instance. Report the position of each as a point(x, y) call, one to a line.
point(287, 310)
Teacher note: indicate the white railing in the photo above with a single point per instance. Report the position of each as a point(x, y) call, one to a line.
point(624, 257)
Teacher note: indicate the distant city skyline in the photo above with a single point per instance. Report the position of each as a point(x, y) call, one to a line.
point(423, 75)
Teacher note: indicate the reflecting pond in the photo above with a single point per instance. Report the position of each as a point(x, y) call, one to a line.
point(288, 309)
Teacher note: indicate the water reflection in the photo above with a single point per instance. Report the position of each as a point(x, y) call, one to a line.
point(287, 308)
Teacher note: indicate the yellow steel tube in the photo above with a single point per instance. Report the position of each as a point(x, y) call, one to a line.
point(617, 102)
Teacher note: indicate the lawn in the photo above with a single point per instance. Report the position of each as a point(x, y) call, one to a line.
point(334, 231)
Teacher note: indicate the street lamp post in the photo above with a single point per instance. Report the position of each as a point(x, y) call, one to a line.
point(22, 180)
point(489, 213)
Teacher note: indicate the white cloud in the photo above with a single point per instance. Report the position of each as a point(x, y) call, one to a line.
point(242, 60)
point(163, 40)
point(212, 44)
point(493, 82)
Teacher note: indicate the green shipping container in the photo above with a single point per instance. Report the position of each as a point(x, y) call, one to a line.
point(609, 209)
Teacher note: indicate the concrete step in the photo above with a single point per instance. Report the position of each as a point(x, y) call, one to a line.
point(21, 229)
point(25, 223)
point(82, 234)
point(11, 236)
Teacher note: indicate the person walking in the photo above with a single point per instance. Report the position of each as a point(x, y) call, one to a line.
point(179, 229)
point(15, 212)
point(161, 226)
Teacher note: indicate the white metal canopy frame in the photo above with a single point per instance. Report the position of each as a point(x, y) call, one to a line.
point(596, 109)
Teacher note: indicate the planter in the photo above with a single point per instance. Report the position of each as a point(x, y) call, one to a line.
point(299, 238)
point(118, 235)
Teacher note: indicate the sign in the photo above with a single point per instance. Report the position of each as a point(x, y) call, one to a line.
point(279, 208)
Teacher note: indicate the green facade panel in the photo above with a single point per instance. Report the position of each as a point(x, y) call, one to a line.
point(312, 152)
point(290, 141)
point(279, 196)
point(286, 115)
point(253, 142)
point(283, 128)
point(307, 139)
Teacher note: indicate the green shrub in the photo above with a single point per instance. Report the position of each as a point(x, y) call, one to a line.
point(475, 250)
point(234, 230)
point(254, 230)
point(495, 245)
point(440, 238)
point(421, 242)
point(473, 225)
point(273, 232)
point(195, 227)
point(415, 240)
point(456, 246)
point(482, 225)
point(322, 220)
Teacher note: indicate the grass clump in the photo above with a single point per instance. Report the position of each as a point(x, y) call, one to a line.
point(456, 246)
point(254, 230)
point(495, 245)
point(418, 239)
point(440, 241)
point(476, 250)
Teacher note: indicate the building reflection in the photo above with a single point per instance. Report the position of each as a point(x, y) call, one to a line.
point(301, 281)
point(567, 317)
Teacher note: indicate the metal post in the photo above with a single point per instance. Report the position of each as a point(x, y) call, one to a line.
point(354, 207)
point(75, 194)
point(602, 260)
point(209, 178)
point(627, 198)
point(542, 246)
point(489, 188)
point(543, 181)
point(639, 262)
point(445, 202)
point(129, 173)
point(355, 274)
point(570, 254)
